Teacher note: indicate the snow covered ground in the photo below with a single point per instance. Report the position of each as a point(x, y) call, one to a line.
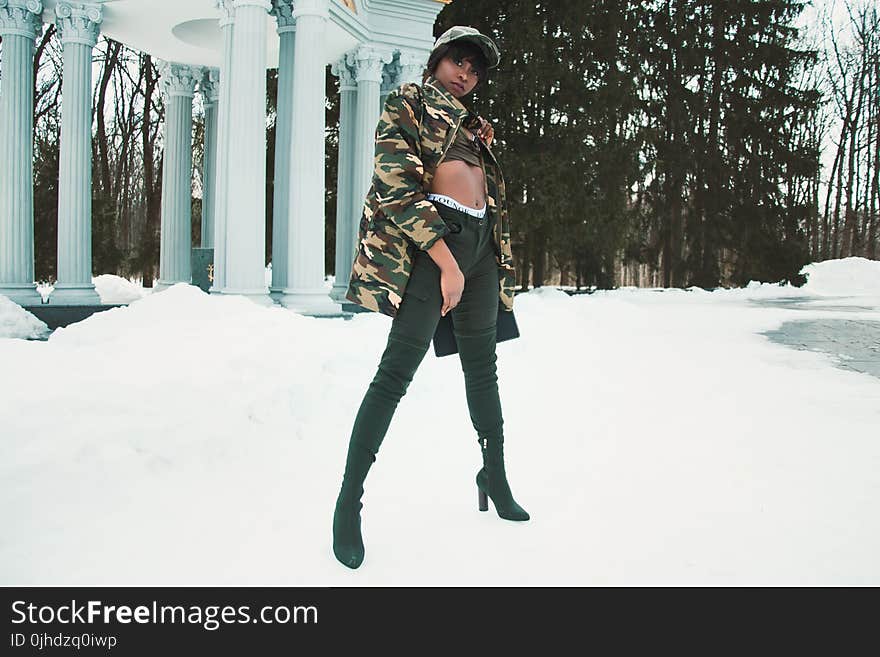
point(655, 437)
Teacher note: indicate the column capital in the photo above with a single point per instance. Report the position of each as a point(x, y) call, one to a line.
point(78, 22)
point(343, 71)
point(390, 75)
point(368, 61)
point(227, 12)
point(265, 5)
point(209, 85)
point(282, 10)
point(21, 18)
point(411, 65)
point(178, 79)
point(319, 8)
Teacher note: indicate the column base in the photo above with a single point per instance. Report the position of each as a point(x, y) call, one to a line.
point(164, 285)
point(24, 294)
point(315, 303)
point(258, 295)
point(337, 293)
point(276, 293)
point(74, 294)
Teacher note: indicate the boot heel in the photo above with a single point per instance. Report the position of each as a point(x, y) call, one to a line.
point(483, 500)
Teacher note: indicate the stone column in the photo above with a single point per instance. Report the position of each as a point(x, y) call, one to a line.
point(210, 88)
point(178, 83)
point(367, 62)
point(20, 23)
point(246, 200)
point(227, 28)
point(283, 12)
point(77, 24)
point(305, 291)
point(347, 207)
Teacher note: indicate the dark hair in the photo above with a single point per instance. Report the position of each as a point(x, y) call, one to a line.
point(459, 50)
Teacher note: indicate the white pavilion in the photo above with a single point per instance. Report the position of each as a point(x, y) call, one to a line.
point(220, 49)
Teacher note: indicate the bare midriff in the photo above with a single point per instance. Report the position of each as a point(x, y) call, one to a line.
point(461, 181)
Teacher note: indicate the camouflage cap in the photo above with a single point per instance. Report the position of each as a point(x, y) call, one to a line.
point(467, 33)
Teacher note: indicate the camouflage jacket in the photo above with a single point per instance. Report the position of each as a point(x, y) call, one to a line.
point(397, 217)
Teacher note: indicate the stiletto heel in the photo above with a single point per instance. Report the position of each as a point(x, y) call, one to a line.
point(492, 483)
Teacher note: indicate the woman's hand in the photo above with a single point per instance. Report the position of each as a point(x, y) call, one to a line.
point(451, 278)
point(451, 287)
point(485, 131)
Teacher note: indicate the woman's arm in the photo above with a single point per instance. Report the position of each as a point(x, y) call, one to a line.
point(398, 183)
point(398, 174)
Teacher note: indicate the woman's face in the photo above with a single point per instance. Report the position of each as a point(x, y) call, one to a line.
point(456, 75)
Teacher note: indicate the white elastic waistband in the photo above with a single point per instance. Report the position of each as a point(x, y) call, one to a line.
point(452, 203)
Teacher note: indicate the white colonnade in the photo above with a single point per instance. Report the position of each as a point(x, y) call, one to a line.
point(234, 166)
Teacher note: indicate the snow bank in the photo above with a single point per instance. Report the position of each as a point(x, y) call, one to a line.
point(115, 289)
point(178, 311)
point(16, 322)
point(846, 277)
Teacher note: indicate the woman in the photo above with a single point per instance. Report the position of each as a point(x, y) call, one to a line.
point(434, 239)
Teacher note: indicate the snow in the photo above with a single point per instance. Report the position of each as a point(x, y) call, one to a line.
point(115, 289)
point(654, 436)
point(16, 322)
point(111, 289)
point(850, 276)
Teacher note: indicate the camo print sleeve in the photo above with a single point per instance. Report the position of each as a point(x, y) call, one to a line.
point(398, 172)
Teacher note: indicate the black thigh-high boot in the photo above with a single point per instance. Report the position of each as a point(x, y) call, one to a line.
point(478, 362)
point(399, 363)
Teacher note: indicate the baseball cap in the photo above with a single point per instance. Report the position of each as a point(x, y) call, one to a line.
point(467, 33)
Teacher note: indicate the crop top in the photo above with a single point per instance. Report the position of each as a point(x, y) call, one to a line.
point(464, 149)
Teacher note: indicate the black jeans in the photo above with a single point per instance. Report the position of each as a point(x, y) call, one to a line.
point(475, 316)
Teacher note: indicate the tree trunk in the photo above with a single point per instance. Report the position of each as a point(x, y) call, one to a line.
point(103, 149)
point(149, 242)
point(850, 212)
